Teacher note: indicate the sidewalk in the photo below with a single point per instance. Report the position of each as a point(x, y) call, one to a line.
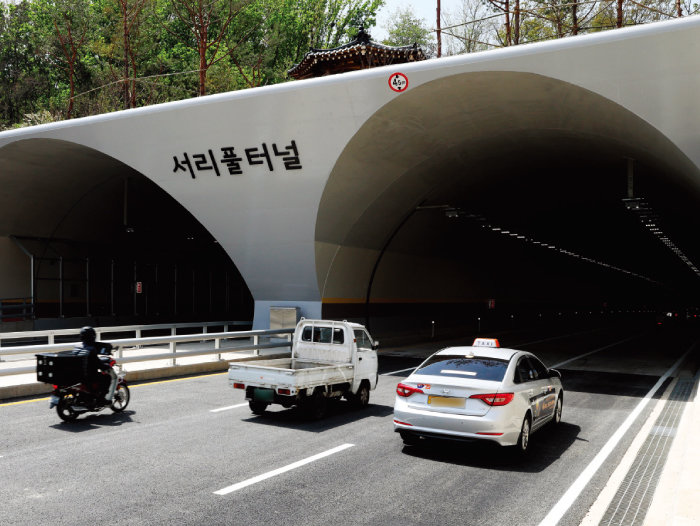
point(677, 498)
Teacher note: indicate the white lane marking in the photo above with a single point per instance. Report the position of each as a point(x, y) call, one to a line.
point(401, 371)
point(227, 408)
point(554, 338)
point(265, 476)
point(539, 341)
point(557, 512)
point(594, 351)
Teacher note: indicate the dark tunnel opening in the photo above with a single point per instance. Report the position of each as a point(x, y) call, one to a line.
point(108, 246)
point(479, 214)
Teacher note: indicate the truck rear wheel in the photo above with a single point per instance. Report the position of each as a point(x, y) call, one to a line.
point(316, 405)
point(360, 399)
point(257, 408)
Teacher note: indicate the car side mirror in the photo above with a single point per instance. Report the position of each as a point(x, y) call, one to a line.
point(554, 373)
point(375, 346)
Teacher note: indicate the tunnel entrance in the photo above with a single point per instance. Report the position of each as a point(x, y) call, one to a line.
point(92, 238)
point(503, 195)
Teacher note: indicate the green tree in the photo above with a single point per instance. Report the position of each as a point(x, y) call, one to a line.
point(25, 74)
point(406, 29)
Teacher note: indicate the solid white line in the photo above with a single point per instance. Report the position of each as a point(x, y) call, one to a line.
point(557, 512)
point(227, 408)
point(265, 476)
point(401, 371)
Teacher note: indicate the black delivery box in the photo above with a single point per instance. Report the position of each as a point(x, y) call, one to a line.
point(60, 368)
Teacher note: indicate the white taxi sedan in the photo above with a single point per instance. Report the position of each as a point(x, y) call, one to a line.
point(482, 392)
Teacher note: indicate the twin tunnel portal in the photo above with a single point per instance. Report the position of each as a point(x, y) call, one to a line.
point(502, 192)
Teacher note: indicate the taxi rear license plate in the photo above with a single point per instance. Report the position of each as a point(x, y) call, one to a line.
point(446, 401)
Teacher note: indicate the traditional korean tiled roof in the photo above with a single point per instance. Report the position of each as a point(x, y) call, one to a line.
point(360, 53)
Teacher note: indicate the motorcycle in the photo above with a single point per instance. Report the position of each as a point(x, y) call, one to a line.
point(71, 401)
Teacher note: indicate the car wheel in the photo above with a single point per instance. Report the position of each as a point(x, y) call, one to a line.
point(524, 438)
point(557, 411)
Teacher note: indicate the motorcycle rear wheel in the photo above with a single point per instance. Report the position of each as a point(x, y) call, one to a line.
point(121, 399)
point(65, 409)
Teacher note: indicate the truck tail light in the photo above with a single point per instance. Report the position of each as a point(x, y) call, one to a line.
point(284, 391)
point(239, 386)
point(406, 390)
point(494, 398)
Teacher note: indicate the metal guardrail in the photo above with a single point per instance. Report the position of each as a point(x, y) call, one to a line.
point(51, 334)
point(172, 341)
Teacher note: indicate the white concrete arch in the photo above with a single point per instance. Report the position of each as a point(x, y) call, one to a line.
point(266, 217)
point(498, 126)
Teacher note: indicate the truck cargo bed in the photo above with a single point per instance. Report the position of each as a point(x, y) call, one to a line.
point(300, 374)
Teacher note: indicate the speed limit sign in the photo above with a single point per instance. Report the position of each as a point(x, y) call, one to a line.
point(398, 82)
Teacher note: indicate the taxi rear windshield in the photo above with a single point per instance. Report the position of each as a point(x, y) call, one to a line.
point(457, 366)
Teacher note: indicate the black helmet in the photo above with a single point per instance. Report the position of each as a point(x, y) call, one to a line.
point(87, 335)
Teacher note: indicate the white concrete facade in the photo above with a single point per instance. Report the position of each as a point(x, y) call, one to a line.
point(266, 217)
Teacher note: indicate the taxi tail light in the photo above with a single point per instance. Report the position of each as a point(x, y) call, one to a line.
point(407, 390)
point(238, 386)
point(493, 399)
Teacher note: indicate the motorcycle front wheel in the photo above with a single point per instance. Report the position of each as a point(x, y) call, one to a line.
point(121, 398)
point(65, 409)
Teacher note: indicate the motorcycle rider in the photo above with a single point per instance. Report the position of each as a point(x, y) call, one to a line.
point(91, 349)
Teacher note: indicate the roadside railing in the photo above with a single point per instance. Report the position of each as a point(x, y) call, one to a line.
point(273, 338)
point(50, 334)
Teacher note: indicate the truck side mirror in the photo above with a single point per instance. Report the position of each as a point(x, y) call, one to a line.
point(375, 346)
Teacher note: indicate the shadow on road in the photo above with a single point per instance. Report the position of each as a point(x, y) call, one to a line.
point(339, 413)
point(95, 421)
point(546, 447)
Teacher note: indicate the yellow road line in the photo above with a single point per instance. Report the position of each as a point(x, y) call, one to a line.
point(25, 401)
point(130, 387)
point(177, 379)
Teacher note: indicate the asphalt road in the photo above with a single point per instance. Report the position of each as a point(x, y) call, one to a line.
point(180, 442)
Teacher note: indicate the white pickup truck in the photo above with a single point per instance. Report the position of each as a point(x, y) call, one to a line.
point(330, 359)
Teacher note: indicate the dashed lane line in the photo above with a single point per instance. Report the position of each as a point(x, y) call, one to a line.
point(279, 471)
point(228, 407)
point(397, 372)
point(594, 351)
point(555, 365)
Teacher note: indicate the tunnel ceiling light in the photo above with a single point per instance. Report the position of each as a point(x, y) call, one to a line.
point(650, 219)
point(530, 240)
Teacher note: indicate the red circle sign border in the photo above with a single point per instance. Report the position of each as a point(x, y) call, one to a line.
point(395, 75)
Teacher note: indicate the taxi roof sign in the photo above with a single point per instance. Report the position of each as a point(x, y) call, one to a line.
point(486, 342)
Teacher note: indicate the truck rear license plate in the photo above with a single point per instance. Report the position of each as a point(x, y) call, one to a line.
point(446, 401)
point(263, 395)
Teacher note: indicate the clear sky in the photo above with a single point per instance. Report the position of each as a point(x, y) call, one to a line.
point(425, 9)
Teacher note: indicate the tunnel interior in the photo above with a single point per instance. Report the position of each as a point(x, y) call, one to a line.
point(107, 243)
point(500, 195)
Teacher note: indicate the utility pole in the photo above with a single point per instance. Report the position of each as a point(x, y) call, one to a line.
point(439, 33)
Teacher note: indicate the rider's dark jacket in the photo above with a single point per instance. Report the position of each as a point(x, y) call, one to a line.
point(91, 353)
